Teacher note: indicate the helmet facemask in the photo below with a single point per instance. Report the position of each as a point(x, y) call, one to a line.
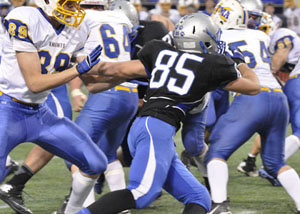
point(69, 17)
point(67, 12)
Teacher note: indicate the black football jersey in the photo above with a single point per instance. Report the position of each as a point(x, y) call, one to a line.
point(178, 80)
point(148, 31)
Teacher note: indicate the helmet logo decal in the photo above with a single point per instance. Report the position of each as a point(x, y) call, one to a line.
point(224, 12)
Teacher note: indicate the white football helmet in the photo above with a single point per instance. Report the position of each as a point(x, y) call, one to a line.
point(197, 33)
point(56, 9)
point(255, 10)
point(230, 14)
point(127, 9)
point(267, 24)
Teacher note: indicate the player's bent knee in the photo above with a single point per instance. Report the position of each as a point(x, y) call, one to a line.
point(273, 169)
point(199, 196)
point(96, 166)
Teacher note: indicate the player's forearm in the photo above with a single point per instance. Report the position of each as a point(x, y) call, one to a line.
point(248, 84)
point(247, 73)
point(123, 70)
point(95, 84)
point(278, 60)
point(42, 82)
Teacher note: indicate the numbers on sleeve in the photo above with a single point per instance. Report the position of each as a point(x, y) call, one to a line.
point(112, 48)
point(17, 29)
point(161, 75)
point(61, 61)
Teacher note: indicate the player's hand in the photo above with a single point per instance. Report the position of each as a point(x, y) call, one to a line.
point(78, 99)
point(91, 60)
point(221, 47)
point(236, 54)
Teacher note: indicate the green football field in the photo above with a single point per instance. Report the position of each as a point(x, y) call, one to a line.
point(248, 195)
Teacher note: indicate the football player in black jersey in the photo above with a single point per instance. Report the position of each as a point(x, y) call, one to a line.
point(179, 77)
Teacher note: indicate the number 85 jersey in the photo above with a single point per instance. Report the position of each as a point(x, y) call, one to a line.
point(28, 29)
point(179, 80)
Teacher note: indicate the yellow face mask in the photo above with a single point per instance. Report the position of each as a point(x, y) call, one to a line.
point(69, 12)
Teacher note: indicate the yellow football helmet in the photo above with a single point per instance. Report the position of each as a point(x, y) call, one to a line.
point(57, 9)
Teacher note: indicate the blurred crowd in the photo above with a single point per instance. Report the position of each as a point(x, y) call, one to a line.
point(285, 13)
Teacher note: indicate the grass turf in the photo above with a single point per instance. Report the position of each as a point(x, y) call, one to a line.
point(248, 195)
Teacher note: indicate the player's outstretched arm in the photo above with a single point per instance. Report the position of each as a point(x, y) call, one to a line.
point(29, 63)
point(247, 84)
point(124, 70)
point(106, 75)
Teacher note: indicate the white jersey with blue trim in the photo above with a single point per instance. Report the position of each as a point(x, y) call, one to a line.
point(283, 37)
point(254, 45)
point(111, 30)
point(28, 29)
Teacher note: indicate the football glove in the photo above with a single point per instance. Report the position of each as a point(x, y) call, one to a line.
point(221, 47)
point(236, 55)
point(91, 60)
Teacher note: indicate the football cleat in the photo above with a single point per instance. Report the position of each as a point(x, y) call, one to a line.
point(248, 167)
point(264, 174)
point(220, 208)
point(13, 166)
point(12, 195)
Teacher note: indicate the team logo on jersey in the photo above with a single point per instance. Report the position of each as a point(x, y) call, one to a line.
point(224, 12)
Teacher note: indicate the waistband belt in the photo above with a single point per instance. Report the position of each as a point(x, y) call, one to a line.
point(267, 89)
point(294, 76)
point(19, 101)
point(124, 88)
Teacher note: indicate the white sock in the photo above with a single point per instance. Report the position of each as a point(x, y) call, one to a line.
point(292, 144)
point(218, 177)
point(81, 187)
point(115, 176)
point(90, 198)
point(8, 159)
point(291, 183)
point(199, 160)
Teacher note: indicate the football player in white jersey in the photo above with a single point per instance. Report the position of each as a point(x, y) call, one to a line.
point(36, 59)
point(11, 165)
point(106, 115)
point(284, 47)
point(265, 113)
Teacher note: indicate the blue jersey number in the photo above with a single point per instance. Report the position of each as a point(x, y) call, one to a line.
point(61, 61)
point(111, 44)
point(161, 72)
point(264, 54)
